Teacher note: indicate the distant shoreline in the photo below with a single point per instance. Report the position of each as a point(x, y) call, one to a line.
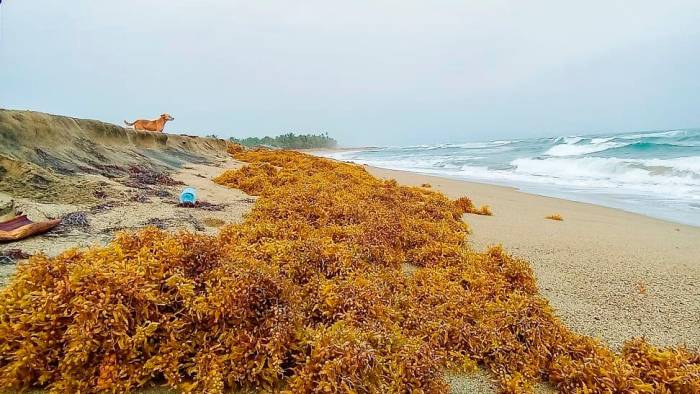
point(315, 151)
point(511, 188)
point(607, 199)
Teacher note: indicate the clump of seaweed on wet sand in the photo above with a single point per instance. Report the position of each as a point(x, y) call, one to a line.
point(465, 205)
point(308, 294)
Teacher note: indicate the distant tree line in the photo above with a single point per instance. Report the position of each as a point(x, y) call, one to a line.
point(290, 141)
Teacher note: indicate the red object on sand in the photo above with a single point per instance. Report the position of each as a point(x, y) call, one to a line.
point(21, 227)
point(15, 223)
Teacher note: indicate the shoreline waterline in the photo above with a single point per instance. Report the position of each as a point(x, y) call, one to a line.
point(655, 174)
point(468, 183)
point(602, 203)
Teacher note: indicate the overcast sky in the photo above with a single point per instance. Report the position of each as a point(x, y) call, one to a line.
point(367, 72)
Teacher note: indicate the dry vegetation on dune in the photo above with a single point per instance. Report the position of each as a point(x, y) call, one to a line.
point(307, 295)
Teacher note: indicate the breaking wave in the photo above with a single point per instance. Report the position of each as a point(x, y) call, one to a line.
point(656, 173)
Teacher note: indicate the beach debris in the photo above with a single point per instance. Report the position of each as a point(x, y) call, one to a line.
point(408, 268)
point(162, 193)
point(188, 199)
point(188, 196)
point(76, 219)
point(555, 216)
point(139, 197)
point(207, 206)
point(157, 222)
point(141, 177)
point(11, 256)
point(426, 185)
point(641, 287)
point(73, 220)
point(465, 205)
point(21, 227)
point(103, 207)
point(100, 194)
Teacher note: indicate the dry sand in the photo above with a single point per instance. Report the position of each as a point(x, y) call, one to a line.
point(102, 178)
point(609, 274)
point(129, 209)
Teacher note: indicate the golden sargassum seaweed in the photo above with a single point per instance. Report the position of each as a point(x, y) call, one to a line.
point(307, 295)
point(554, 216)
point(465, 205)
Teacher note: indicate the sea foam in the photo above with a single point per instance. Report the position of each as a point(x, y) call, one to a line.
point(656, 173)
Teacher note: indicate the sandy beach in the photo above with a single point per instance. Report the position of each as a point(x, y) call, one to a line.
point(607, 273)
point(315, 197)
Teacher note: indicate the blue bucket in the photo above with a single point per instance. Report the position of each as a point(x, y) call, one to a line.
point(188, 196)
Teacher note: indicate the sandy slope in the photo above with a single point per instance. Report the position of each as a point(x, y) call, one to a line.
point(58, 159)
point(54, 166)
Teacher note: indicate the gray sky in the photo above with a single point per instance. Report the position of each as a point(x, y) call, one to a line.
point(368, 72)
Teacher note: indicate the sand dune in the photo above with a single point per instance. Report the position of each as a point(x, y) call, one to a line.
point(41, 153)
point(102, 178)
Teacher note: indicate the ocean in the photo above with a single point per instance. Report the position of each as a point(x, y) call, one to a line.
point(654, 173)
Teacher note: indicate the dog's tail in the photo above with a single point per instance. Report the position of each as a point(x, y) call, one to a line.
point(129, 124)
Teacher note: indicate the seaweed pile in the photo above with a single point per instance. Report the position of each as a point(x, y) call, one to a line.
point(465, 205)
point(309, 294)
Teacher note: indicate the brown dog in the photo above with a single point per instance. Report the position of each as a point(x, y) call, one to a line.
point(151, 125)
